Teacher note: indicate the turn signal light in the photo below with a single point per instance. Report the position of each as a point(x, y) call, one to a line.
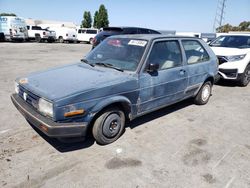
point(74, 113)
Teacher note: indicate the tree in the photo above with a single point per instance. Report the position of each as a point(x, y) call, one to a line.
point(95, 19)
point(101, 17)
point(7, 14)
point(243, 26)
point(87, 20)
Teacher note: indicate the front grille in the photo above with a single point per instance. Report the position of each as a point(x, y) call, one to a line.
point(222, 59)
point(31, 98)
point(231, 73)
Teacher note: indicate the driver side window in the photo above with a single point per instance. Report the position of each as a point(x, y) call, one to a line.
point(166, 53)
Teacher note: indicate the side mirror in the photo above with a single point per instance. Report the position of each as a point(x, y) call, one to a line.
point(152, 67)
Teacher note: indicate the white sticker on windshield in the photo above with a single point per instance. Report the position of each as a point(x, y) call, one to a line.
point(137, 42)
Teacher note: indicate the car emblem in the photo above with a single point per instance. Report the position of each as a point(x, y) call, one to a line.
point(24, 96)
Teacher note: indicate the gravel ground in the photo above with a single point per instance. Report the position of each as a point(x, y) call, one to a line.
point(183, 145)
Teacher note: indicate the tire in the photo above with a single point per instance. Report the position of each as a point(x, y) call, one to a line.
point(61, 39)
point(204, 94)
point(91, 41)
point(109, 126)
point(38, 38)
point(245, 79)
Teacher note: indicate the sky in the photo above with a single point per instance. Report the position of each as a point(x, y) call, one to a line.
point(178, 15)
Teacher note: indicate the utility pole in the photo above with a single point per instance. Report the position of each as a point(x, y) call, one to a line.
point(220, 13)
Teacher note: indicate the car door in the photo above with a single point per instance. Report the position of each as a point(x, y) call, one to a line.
point(198, 62)
point(166, 85)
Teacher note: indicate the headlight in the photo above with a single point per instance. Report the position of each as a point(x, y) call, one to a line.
point(236, 57)
point(16, 87)
point(45, 107)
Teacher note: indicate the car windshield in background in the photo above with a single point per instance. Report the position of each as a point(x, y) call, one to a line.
point(120, 53)
point(233, 41)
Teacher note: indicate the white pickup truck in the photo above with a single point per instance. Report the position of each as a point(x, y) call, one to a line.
point(40, 35)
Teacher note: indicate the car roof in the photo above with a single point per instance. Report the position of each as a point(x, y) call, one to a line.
point(151, 36)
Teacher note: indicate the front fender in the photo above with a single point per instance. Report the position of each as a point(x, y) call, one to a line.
point(109, 101)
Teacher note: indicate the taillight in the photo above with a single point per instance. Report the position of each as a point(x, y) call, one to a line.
point(44, 33)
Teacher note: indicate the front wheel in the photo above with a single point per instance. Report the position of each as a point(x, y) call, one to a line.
point(109, 126)
point(245, 79)
point(91, 41)
point(204, 94)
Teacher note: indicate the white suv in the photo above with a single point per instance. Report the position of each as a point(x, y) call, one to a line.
point(233, 52)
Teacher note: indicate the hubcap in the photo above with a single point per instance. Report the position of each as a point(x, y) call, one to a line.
point(111, 125)
point(205, 93)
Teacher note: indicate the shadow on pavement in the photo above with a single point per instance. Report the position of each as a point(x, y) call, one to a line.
point(72, 144)
point(67, 144)
point(159, 113)
point(226, 83)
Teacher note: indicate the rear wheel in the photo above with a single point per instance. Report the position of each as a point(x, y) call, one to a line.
point(245, 79)
point(204, 94)
point(61, 39)
point(109, 126)
point(38, 38)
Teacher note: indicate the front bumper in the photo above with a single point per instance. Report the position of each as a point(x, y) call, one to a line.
point(229, 74)
point(46, 125)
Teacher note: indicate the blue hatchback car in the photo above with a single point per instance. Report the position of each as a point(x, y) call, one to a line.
point(123, 78)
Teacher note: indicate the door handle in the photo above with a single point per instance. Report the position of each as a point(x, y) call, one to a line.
point(182, 72)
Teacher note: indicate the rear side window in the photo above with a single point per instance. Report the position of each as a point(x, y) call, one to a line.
point(91, 31)
point(144, 31)
point(131, 31)
point(194, 51)
point(36, 28)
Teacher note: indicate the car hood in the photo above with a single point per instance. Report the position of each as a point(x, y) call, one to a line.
point(223, 51)
point(62, 82)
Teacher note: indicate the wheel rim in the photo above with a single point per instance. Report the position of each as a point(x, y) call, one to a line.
point(91, 41)
point(205, 93)
point(111, 125)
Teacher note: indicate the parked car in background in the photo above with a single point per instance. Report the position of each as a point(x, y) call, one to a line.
point(125, 77)
point(233, 52)
point(86, 34)
point(40, 35)
point(63, 34)
point(109, 31)
point(12, 28)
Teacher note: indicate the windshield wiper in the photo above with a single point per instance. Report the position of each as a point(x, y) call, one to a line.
point(109, 66)
point(87, 62)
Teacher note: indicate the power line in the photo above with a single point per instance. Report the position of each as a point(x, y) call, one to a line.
point(220, 14)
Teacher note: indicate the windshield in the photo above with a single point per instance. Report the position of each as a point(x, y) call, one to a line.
point(233, 41)
point(121, 53)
